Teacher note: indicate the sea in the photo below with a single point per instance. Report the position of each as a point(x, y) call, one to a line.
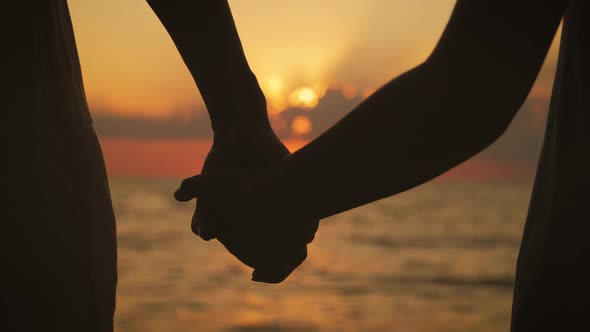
point(439, 258)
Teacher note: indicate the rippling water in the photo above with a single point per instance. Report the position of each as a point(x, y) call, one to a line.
point(438, 258)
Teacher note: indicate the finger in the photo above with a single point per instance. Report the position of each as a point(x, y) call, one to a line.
point(194, 187)
point(314, 225)
point(277, 273)
point(236, 245)
point(301, 232)
point(203, 222)
point(277, 270)
point(195, 227)
point(188, 189)
point(210, 183)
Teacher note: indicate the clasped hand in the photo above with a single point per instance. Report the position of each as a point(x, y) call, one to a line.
point(229, 211)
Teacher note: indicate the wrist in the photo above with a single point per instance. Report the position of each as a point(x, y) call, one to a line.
point(250, 124)
point(246, 109)
point(245, 135)
point(252, 202)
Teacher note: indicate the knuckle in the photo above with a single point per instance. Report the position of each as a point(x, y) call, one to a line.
point(185, 184)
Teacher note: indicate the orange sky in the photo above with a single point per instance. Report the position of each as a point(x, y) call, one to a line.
point(176, 158)
point(296, 48)
point(131, 67)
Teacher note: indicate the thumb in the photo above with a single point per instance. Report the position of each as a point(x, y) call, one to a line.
point(277, 271)
point(210, 184)
point(191, 188)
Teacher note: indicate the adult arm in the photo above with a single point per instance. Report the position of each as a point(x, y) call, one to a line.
point(421, 124)
point(205, 34)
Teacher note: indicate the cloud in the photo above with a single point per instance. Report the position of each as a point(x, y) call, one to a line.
point(330, 108)
point(195, 125)
point(521, 143)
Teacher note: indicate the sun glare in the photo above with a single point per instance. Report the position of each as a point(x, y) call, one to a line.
point(301, 125)
point(303, 97)
point(349, 91)
point(274, 87)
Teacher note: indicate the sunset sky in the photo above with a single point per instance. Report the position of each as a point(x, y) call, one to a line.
point(298, 50)
point(131, 66)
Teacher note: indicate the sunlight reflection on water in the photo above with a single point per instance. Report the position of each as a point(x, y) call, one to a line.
point(438, 258)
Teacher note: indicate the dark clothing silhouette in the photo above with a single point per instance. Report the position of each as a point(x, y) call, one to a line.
point(553, 273)
point(59, 251)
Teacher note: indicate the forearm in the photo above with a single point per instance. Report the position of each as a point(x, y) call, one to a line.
point(406, 134)
point(205, 34)
point(423, 123)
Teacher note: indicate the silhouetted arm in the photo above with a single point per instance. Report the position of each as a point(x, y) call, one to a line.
point(425, 122)
point(205, 34)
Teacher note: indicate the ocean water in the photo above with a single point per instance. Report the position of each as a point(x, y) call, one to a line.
point(438, 258)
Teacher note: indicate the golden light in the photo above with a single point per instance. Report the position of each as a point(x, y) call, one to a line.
point(367, 92)
point(307, 96)
point(275, 85)
point(301, 125)
point(273, 88)
point(349, 91)
point(303, 97)
point(320, 89)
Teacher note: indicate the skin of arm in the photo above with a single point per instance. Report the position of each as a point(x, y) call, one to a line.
point(204, 33)
point(428, 120)
point(413, 129)
point(425, 122)
point(419, 125)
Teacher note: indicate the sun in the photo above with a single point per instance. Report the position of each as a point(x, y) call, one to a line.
point(307, 96)
point(303, 97)
point(274, 87)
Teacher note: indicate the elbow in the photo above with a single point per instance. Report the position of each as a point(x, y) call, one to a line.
point(492, 124)
point(502, 113)
point(480, 118)
point(490, 109)
point(492, 133)
point(485, 98)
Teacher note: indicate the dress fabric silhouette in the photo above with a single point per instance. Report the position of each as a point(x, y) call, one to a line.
point(553, 271)
point(60, 266)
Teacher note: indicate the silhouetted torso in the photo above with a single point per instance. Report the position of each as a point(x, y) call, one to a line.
point(60, 266)
point(553, 273)
point(57, 79)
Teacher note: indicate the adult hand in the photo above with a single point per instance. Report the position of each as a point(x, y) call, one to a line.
point(248, 149)
point(274, 247)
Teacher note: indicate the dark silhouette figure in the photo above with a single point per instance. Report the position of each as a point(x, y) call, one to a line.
point(59, 246)
point(424, 123)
